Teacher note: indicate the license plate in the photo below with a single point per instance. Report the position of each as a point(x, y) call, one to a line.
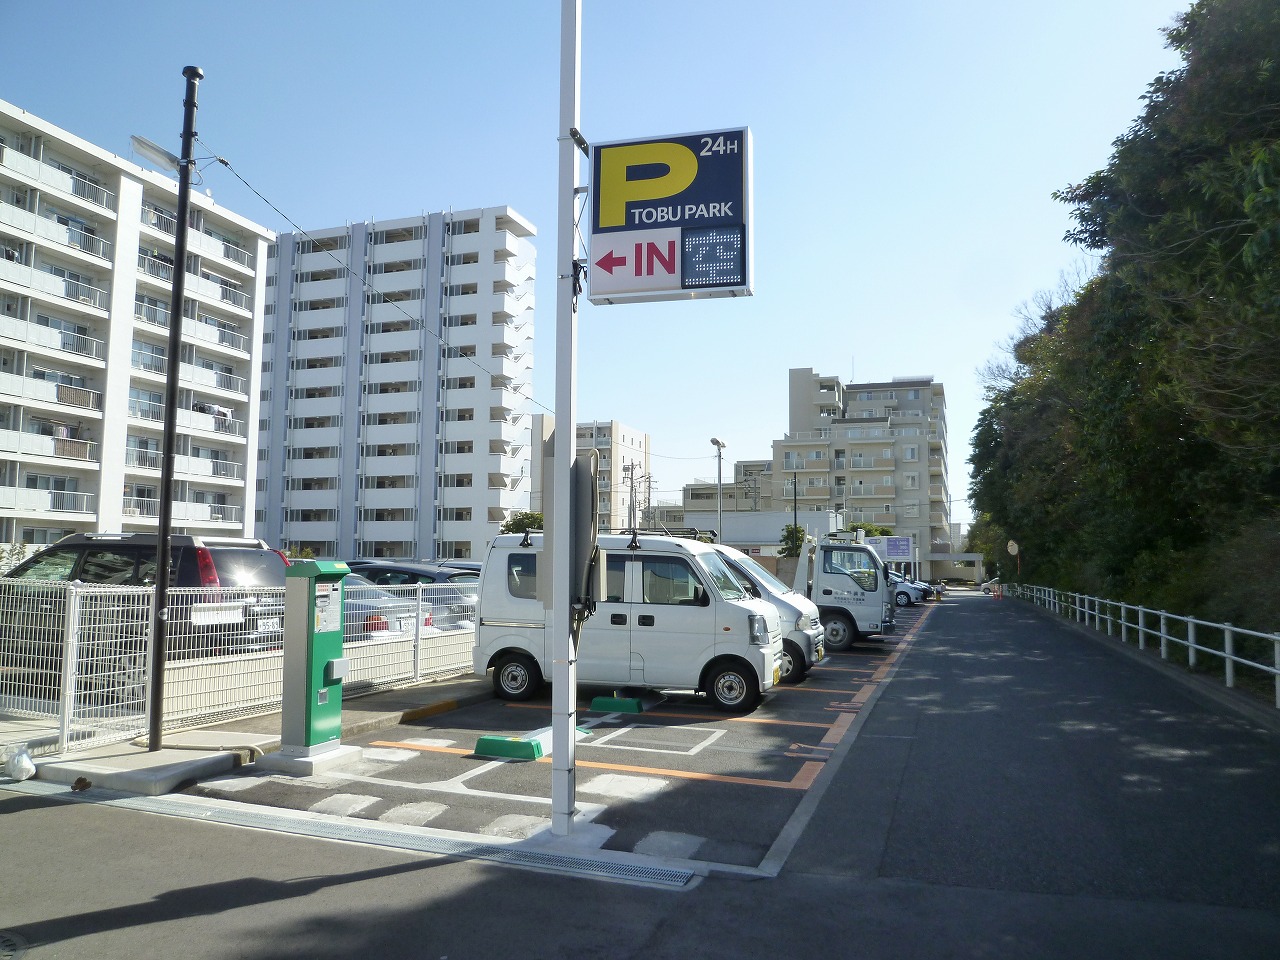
point(269, 625)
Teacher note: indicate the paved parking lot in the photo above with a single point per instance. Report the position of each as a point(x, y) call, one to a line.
point(678, 780)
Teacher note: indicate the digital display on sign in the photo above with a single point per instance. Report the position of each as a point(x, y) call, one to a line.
point(713, 257)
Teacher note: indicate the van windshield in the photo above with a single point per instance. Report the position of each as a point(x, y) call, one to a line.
point(761, 575)
point(725, 581)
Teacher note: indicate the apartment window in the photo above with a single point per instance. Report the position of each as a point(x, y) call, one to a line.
point(456, 227)
point(460, 514)
point(458, 259)
point(399, 234)
point(457, 446)
point(460, 383)
point(911, 452)
point(460, 320)
point(461, 289)
point(322, 244)
point(911, 481)
point(461, 414)
point(456, 480)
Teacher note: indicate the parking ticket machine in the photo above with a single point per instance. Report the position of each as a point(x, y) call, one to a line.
point(314, 668)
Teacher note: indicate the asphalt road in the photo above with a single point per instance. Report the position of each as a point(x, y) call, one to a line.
point(1016, 790)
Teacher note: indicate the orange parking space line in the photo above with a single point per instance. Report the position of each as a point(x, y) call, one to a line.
point(422, 747)
point(838, 729)
point(692, 716)
point(800, 781)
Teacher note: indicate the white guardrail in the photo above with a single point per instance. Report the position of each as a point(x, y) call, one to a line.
point(75, 660)
point(1196, 638)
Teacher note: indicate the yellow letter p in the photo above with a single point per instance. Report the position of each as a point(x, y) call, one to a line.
point(616, 190)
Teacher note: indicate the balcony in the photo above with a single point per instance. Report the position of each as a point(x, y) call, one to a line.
point(25, 500)
point(48, 392)
point(206, 329)
point(183, 510)
point(869, 490)
point(49, 338)
point(73, 184)
point(22, 444)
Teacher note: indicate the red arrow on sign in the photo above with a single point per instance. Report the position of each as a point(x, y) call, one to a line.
point(609, 261)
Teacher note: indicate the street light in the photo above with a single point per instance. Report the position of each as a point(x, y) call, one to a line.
point(164, 525)
point(719, 445)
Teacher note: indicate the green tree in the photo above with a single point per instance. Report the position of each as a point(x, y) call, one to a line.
point(792, 541)
point(522, 521)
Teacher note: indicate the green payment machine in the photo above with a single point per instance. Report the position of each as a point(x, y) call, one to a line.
point(314, 668)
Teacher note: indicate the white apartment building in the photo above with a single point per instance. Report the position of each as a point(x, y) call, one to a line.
point(871, 453)
point(397, 371)
point(623, 483)
point(86, 282)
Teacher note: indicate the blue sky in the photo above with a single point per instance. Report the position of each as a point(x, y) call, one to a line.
point(904, 158)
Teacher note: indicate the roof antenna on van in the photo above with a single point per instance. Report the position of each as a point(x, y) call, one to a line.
point(635, 540)
point(526, 542)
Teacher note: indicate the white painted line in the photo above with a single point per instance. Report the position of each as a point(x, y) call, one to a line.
point(624, 787)
point(342, 804)
point(414, 814)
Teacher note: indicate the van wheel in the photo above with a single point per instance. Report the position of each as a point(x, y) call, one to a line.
point(840, 631)
point(902, 598)
point(516, 677)
point(733, 688)
point(793, 668)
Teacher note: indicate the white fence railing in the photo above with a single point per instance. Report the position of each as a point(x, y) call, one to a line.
point(75, 660)
point(1196, 638)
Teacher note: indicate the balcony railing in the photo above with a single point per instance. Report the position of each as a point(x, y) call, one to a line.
point(159, 219)
point(24, 444)
point(51, 338)
point(64, 501)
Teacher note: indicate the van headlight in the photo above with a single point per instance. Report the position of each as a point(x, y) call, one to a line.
point(758, 627)
point(803, 623)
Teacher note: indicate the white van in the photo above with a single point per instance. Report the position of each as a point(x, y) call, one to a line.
point(801, 624)
point(673, 618)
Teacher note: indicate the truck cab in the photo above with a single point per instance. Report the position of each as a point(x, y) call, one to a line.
point(849, 584)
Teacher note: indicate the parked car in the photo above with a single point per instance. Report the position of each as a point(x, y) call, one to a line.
point(991, 585)
point(371, 613)
point(454, 590)
point(227, 614)
point(906, 593)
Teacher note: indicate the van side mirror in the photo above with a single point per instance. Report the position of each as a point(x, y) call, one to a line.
point(700, 595)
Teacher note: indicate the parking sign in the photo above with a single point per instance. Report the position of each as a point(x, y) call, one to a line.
point(670, 218)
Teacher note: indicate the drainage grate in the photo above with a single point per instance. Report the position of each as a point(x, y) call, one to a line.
point(12, 946)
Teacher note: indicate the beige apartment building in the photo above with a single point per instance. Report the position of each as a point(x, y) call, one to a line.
point(623, 481)
point(864, 452)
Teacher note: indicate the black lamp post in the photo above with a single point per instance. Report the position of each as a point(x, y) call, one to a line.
point(159, 623)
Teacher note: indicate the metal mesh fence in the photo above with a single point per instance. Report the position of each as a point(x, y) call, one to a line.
point(75, 659)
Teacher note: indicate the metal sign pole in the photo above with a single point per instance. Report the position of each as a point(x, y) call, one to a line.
point(559, 540)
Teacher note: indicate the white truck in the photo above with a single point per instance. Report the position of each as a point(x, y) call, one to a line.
point(850, 585)
point(673, 617)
